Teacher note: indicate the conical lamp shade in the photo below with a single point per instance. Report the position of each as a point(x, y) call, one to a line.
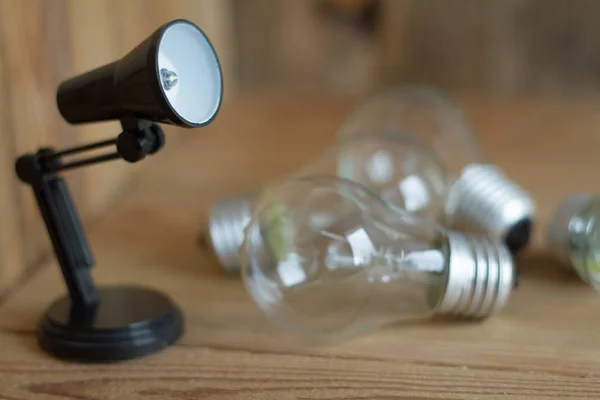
point(173, 77)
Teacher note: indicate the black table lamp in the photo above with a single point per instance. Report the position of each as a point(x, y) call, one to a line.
point(173, 77)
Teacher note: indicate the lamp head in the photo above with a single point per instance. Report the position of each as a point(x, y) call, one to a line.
point(173, 77)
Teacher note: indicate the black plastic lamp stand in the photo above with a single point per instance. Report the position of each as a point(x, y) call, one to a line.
point(90, 323)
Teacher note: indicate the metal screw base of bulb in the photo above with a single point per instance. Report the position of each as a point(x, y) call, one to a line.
point(484, 199)
point(481, 276)
point(227, 220)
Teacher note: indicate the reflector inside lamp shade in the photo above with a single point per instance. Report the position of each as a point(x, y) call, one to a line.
point(189, 73)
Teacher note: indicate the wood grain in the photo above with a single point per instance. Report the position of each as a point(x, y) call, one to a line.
point(194, 372)
point(394, 43)
point(487, 46)
point(490, 46)
point(29, 99)
point(10, 229)
point(298, 46)
point(543, 346)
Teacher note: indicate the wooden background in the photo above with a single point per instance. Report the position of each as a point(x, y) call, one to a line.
point(496, 47)
point(491, 47)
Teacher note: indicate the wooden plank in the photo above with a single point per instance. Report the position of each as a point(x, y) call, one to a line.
point(195, 372)
point(394, 41)
point(11, 256)
point(255, 37)
point(494, 47)
point(304, 45)
point(542, 346)
point(32, 57)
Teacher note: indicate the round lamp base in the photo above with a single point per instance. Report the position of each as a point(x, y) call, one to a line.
point(127, 323)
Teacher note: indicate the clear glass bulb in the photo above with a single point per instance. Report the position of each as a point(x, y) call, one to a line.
point(481, 197)
point(574, 234)
point(396, 167)
point(326, 258)
point(427, 114)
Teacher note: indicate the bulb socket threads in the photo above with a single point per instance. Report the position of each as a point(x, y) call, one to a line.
point(227, 221)
point(483, 199)
point(481, 276)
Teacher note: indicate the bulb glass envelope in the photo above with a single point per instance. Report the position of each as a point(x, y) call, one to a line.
point(425, 113)
point(327, 258)
point(480, 197)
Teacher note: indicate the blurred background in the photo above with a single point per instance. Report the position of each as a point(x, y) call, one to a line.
point(487, 47)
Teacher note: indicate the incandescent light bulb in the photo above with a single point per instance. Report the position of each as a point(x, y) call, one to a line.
point(326, 258)
point(574, 233)
point(480, 197)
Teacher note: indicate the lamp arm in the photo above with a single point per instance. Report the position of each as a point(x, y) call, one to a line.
point(58, 210)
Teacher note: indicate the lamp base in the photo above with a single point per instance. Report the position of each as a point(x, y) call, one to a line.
point(127, 323)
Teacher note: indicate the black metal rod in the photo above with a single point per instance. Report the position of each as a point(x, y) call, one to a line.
point(87, 161)
point(68, 239)
point(86, 147)
point(58, 210)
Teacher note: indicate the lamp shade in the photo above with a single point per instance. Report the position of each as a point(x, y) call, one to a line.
point(173, 77)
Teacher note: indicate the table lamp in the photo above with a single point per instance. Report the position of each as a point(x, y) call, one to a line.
point(172, 77)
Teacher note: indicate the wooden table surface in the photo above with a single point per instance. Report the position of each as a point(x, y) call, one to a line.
point(546, 344)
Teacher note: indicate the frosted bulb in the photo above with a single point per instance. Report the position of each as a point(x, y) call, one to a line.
point(326, 258)
point(574, 234)
point(481, 198)
point(395, 167)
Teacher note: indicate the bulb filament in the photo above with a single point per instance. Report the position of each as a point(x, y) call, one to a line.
point(169, 78)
